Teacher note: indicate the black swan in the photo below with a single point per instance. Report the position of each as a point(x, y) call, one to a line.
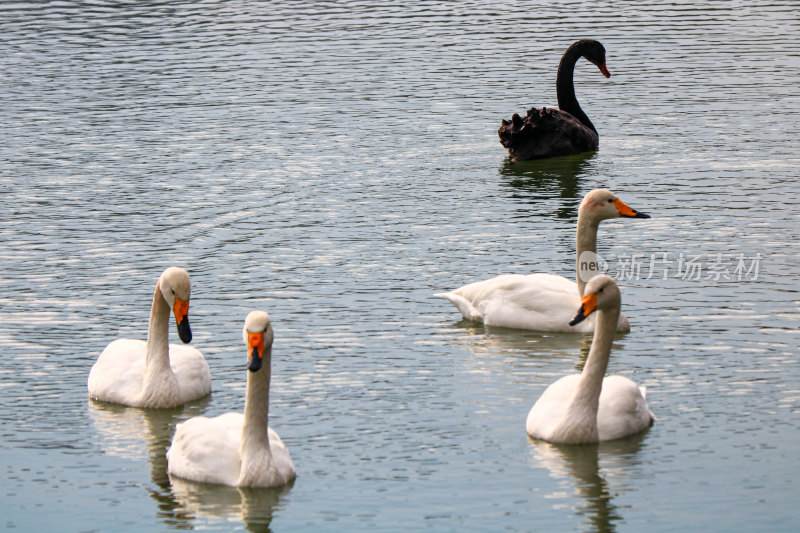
point(552, 132)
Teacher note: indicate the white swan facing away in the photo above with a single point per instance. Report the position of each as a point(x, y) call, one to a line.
point(154, 374)
point(235, 449)
point(588, 407)
point(545, 302)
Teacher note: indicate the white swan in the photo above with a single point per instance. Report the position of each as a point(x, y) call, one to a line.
point(545, 302)
point(154, 374)
point(235, 449)
point(589, 407)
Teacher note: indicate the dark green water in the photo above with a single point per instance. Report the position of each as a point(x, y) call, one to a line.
point(336, 164)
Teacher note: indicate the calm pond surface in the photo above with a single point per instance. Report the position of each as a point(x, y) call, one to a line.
point(336, 164)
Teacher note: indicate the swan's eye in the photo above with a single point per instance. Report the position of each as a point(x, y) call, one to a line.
point(173, 291)
point(610, 201)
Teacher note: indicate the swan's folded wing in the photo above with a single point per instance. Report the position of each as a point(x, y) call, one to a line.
point(623, 410)
point(192, 371)
point(118, 374)
point(280, 456)
point(541, 302)
point(548, 413)
point(546, 132)
point(207, 450)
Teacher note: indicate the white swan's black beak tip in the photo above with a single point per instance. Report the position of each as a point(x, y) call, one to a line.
point(580, 317)
point(254, 361)
point(633, 213)
point(184, 331)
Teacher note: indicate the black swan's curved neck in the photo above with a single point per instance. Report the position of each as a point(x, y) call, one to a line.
point(565, 88)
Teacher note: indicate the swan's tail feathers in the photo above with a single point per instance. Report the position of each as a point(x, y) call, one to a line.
point(522, 133)
point(464, 306)
point(643, 390)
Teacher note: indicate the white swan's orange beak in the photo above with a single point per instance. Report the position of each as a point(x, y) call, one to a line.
point(625, 211)
point(604, 70)
point(588, 305)
point(255, 351)
point(181, 311)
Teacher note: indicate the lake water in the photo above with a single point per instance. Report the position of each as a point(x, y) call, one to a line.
point(336, 164)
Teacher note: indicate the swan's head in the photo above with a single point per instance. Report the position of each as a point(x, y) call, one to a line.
point(602, 204)
point(599, 294)
point(175, 288)
point(258, 337)
point(594, 52)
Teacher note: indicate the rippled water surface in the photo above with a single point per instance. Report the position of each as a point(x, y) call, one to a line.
point(336, 164)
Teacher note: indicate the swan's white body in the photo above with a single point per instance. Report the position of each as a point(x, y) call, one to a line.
point(154, 374)
point(544, 302)
point(622, 410)
point(209, 450)
point(118, 376)
point(589, 407)
point(234, 449)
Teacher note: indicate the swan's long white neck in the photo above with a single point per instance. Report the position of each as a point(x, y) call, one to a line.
point(160, 387)
point(157, 359)
point(255, 440)
point(586, 241)
point(582, 410)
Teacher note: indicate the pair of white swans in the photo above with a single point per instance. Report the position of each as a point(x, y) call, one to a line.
point(231, 449)
point(586, 407)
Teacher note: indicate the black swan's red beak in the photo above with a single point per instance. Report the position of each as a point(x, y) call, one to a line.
point(604, 70)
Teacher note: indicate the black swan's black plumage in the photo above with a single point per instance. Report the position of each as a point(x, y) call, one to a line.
point(550, 132)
